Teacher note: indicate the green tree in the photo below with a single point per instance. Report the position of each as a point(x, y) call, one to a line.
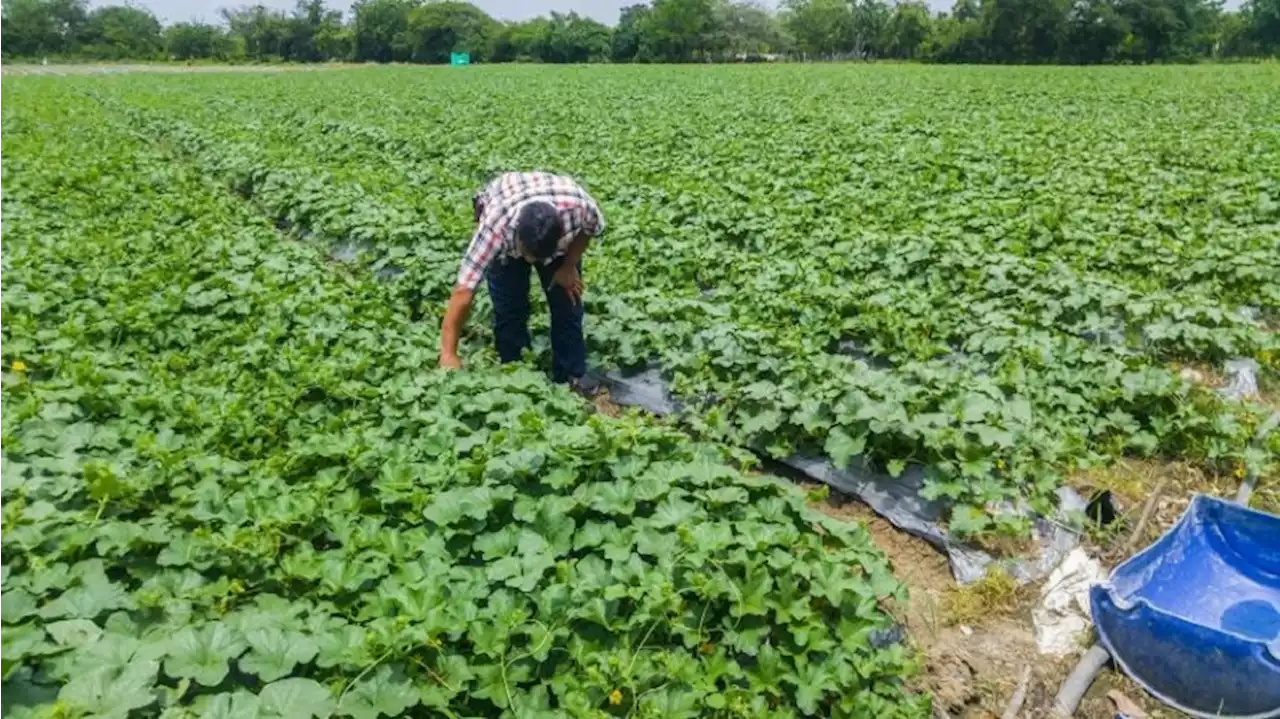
point(560, 38)
point(628, 36)
point(519, 41)
point(31, 28)
point(116, 32)
point(1164, 30)
point(1154, 28)
point(953, 40)
point(1024, 30)
point(436, 29)
point(909, 25)
point(746, 29)
point(195, 41)
point(1264, 24)
point(572, 38)
point(964, 10)
point(1095, 32)
point(957, 37)
point(870, 25)
point(335, 41)
point(821, 28)
point(263, 32)
point(303, 32)
point(680, 30)
point(380, 29)
point(1235, 35)
point(27, 29)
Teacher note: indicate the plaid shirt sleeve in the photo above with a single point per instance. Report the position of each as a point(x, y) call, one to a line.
point(592, 218)
point(485, 245)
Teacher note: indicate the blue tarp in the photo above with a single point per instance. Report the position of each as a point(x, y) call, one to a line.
point(1195, 617)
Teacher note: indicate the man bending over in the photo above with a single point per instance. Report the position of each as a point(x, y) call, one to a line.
point(527, 219)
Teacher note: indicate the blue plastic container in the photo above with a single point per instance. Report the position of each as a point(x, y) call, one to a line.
point(1195, 617)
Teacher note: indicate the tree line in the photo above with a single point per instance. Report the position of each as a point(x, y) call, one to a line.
point(418, 31)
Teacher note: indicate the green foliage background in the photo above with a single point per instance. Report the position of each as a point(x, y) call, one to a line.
point(236, 485)
point(971, 31)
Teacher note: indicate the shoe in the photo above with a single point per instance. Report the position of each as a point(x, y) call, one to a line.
point(588, 386)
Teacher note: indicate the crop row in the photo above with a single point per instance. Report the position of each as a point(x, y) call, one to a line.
point(236, 484)
point(994, 349)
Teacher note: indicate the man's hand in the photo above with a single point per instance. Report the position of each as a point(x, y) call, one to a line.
point(568, 278)
point(455, 316)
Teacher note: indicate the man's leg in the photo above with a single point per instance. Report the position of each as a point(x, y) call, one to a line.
point(568, 345)
point(508, 280)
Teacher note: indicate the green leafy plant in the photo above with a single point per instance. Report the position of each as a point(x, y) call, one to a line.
point(234, 483)
point(933, 303)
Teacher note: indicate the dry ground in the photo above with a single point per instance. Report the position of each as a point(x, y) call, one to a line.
point(976, 642)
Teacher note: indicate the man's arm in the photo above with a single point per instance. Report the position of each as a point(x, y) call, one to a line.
point(485, 244)
point(455, 318)
point(568, 276)
point(576, 249)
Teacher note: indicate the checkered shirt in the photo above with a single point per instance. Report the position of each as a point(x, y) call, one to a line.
point(499, 203)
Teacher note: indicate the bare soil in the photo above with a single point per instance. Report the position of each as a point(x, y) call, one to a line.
point(604, 404)
point(973, 669)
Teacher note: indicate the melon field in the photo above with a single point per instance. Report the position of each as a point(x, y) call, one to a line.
point(236, 484)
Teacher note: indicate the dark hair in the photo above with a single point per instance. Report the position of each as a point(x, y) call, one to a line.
point(538, 229)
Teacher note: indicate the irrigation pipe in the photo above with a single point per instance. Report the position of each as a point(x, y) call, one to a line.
point(1078, 682)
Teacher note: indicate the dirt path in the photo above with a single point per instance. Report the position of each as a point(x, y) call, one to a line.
point(971, 670)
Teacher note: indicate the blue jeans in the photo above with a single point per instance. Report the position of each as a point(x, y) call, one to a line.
point(508, 280)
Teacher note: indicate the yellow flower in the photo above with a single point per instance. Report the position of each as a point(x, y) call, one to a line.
point(615, 697)
point(19, 366)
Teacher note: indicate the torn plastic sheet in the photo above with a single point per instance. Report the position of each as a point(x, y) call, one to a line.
point(1242, 379)
point(386, 273)
point(896, 499)
point(645, 389)
point(1241, 372)
point(855, 349)
point(1063, 614)
point(348, 251)
point(1111, 335)
point(1249, 313)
